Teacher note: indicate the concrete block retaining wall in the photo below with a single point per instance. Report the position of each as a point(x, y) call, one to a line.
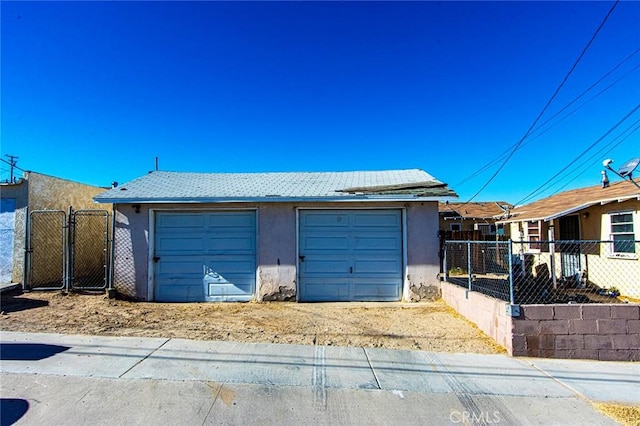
point(582, 331)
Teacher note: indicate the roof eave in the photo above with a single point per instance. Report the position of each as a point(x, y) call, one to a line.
point(216, 200)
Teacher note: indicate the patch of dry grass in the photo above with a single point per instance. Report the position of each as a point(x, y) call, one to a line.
point(624, 414)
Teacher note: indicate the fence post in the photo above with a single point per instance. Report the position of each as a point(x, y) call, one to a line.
point(469, 262)
point(444, 261)
point(511, 289)
point(68, 250)
point(27, 256)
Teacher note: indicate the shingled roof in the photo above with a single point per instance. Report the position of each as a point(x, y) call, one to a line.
point(568, 202)
point(174, 187)
point(478, 210)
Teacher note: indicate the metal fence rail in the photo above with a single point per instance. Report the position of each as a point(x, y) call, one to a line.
point(523, 272)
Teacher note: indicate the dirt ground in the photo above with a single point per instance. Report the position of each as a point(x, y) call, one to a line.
point(432, 326)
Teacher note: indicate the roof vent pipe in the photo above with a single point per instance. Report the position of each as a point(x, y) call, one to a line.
point(605, 179)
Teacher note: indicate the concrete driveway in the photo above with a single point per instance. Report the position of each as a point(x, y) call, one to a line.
point(71, 379)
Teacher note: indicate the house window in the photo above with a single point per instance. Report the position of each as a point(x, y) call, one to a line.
point(455, 227)
point(622, 233)
point(533, 234)
point(485, 228)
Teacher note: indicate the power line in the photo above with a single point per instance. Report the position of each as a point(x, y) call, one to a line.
point(540, 132)
point(600, 153)
point(547, 105)
point(14, 166)
point(532, 194)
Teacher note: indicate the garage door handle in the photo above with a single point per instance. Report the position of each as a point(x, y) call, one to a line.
point(156, 258)
point(351, 269)
point(301, 258)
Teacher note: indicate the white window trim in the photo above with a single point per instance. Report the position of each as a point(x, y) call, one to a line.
point(612, 254)
point(528, 236)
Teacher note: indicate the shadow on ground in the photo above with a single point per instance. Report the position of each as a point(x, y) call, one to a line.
point(28, 351)
point(10, 303)
point(11, 410)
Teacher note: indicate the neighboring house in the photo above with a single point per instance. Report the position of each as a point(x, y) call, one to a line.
point(610, 214)
point(479, 216)
point(337, 236)
point(34, 191)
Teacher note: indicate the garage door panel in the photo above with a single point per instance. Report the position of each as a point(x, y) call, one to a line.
point(231, 244)
point(182, 221)
point(325, 290)
point(377, 266)
point(325, 219)
point(368, 290)
point(226, 220)
point(216, 262)
point(385, 242)
point(376, 220)
point(325, 267)
point(323, 243)
point(171, 267)
point(171, 245)
point(351, 255)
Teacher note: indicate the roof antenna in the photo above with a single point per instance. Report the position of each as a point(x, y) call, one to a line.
point(156, 163)
point(626, 170)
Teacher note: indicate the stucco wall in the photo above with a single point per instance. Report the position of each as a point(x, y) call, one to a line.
point(41, 192)
point(52, 193)
point(423, 259)
point(276, 275)
point(19, 192)
point(277, 252)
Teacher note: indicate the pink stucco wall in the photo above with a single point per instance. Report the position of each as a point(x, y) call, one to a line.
point(277, 251)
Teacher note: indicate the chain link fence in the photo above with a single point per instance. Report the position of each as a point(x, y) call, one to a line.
point(47, 258)
point(68, 250)
point(530, 272)
point(89, 249)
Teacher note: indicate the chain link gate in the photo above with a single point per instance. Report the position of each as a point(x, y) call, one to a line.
point(46, 250)
point(89, 249)
point(67, 251)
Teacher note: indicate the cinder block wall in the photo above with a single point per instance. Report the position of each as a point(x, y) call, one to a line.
point(603, 332)
point(591, 331)
point(487, 313)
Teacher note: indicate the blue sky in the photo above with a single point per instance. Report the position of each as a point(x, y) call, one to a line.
point(94, 91)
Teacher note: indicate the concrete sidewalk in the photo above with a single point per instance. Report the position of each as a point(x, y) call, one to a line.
point(77, 379)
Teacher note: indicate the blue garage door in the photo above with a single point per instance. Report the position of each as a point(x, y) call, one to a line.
point(350, 255)
point(7, 226)
point(205, 256)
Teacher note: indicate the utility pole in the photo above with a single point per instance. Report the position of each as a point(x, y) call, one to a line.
point(12, 163)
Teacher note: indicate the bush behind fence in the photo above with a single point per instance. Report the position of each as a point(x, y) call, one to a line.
point(527, 272)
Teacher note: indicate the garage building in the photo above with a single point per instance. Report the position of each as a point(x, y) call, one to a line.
point(308, 237)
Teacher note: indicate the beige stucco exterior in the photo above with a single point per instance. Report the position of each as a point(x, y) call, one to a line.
point(604, 268)
point(276, 246)
point(35, 191)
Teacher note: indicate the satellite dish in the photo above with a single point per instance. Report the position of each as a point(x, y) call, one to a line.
point(627, 168)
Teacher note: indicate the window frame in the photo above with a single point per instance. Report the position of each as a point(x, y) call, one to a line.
point(612, 235)
point(534, 245)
